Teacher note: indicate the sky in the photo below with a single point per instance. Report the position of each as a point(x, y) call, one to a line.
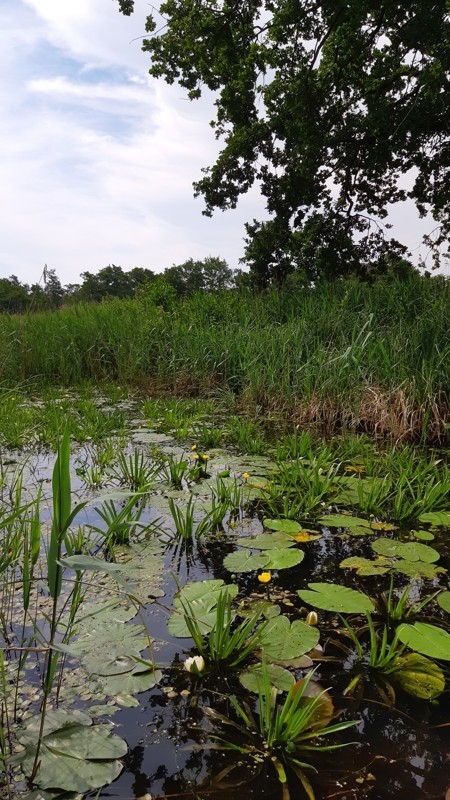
point(97, 159)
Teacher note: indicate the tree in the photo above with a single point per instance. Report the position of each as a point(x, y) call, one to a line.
point(13, 295)
point(336, 108)
point(209, 275)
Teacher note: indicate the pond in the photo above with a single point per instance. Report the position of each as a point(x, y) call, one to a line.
point(196, 621)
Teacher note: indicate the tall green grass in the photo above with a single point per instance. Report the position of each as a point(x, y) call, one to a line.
point(373, 357)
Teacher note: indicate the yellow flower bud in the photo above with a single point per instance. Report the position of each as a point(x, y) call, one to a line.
point(265, 577)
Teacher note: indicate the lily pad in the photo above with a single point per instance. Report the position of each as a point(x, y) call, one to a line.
point(283, 525)
point(439, 518)
point(423, 536)
point(246, 561)
point(284, 559)
point(364, 566)
point(129, 684)
point(333, 597)
point(267, 541)
point(201, 600)
point(343, 521)
point(410, 551)
point(416, 569)
point(418, 676)
point(283, 641)
point(427, 639)
point(444, 601)
point(253, 679)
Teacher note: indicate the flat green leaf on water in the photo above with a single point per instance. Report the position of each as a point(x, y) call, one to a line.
point(129, 684)
point(438, 518)
point(410, 551)
point(423, 536)
point(427, 639)
point(444, 601)
point(334, 597)
point(416, 569)
point(253, 680)
point(418, 676)
point(343, 521)
point(267, 541)
point(366, 567)
point(284, 559)
point(200, 600)
point(283, 525)
point(283, 641)
point(246, 561)
point(55, 719)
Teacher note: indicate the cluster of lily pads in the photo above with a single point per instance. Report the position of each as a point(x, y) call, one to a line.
point(78, 594)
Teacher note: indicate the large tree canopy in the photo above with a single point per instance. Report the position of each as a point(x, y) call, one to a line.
point(337, 108)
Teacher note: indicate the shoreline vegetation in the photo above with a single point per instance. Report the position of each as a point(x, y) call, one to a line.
point(367, 358)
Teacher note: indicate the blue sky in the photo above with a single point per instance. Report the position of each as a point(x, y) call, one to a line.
point(98, 159)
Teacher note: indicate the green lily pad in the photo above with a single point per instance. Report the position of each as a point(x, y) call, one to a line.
point(364, 566)
point(284, 559)
point(266, 608)
point(56, 719)
point(444, 601)
point(129, 684)
point(267, 541)
point(343, 521)
point(423, 536)
point(439, 518)
point(427, 639)
point(253, 680)
point(283, 525)
point(246, 561)
point(418, 676)
point(410, 551)
point(200, 600)
point(333, 597)
point(108, 648)
point(415, 569)
point(283, 641)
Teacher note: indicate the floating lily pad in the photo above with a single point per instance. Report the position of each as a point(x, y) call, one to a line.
point(427, 639)
point(246, 561)
point(283, 525)
point(130, 684)
point(415, 569)
point(438, 518)
point(200, 600)
point(418, 676)
point(410, 551)
point(284, 559)
point(267, 541)
point(364, 566)
point(283, 641)
point(343, 521)
point(423, 536)
point(444, 601)
point(253, 679)
point(333, 597)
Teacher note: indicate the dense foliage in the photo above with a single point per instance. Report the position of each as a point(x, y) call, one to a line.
point(336, 109)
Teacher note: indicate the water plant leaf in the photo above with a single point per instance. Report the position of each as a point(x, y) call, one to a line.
point(283, 525)
point(253, 678)
point(107, 647)
point(55, 719)
point(343, 521)
point(438, 518)
point(444, 601)
point(267, 541)
point(283, 641)
point(423, 536)
point(427, 639)
point(201, 600)
point(418, 676)
point(410, 551)
point(334, 597)
point(127, 685)
point(416, 569)
point(283, 559)
point(364, 566)
point(324, 710)
point(266, 608)
point(246, 561)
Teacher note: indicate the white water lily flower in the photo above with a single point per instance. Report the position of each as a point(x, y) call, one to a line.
point(195, 664)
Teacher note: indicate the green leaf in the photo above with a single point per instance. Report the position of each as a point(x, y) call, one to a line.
point(364, 566)
point(283, 641)
point(410, 551)
point(418, 676)
point(131, 683)
point(91, 564)
point(283, 559)
point(424, 536)
point(415, 569)
point(343, 521)
point(333, 597)
point(246, 561)
point(444, 601)
point(427, 639)
point(267, 541)
point(439, 518)
point(253, 678)
point(283, 525)
point(201, 600)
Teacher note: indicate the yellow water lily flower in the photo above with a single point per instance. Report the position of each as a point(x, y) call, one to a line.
point(245, 475)
point(194, 447)
point(265, 577)
point(196, 456)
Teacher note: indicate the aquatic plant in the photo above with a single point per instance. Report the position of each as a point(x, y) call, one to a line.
point(135, 471)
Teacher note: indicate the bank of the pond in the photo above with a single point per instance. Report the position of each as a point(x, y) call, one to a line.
point(342, 355)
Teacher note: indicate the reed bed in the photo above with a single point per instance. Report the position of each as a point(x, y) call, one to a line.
point(372, 358)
